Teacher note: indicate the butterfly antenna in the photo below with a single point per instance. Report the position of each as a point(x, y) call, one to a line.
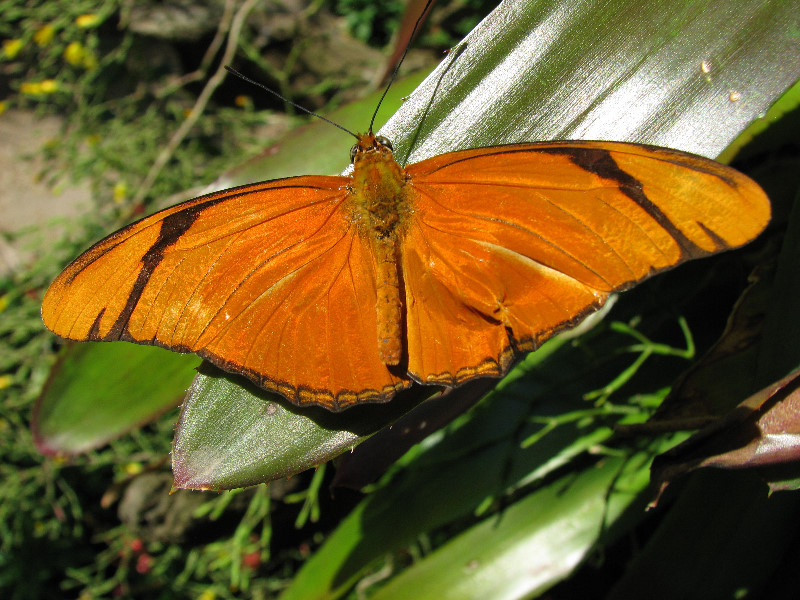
point(295, 104)
point(400, 62)
point(453, 54)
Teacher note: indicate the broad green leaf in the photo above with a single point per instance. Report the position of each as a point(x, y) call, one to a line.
point(522, 550)
point(628, 70)
point(97, 392)
point(225, 439)
point(753, 137)
point(478, 460)
point(687, 75)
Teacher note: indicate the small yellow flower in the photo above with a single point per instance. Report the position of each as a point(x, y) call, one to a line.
point(46, 86)
point(77, 54)
point(31, 89)
point(3, 107)
point(208, 594)
point(87, 20)
point(44, 35)
point(243, 101)
point(120, 192)
point(74, 53)
point(11, 48)
point(133, 468)
point(5, 381)
point(89, 61)
point(49, 86)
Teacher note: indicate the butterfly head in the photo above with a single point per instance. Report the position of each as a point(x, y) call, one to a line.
point(368, 143)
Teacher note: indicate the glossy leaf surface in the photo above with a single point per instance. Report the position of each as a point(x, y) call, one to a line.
point(507, 81)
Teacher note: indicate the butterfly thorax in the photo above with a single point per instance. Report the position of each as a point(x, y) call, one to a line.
point(380, 206)
point(378, 188)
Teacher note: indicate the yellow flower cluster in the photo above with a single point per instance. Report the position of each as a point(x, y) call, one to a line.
point(43, 36)
point(11, 48)
point(86, 21)
point(78, 55)
point(46, 86)
point(6, 381)
point(75, 53)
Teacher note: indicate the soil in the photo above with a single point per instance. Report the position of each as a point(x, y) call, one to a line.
point(31, 212)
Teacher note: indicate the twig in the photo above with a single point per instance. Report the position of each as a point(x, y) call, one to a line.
point(199, 106)
point(211, 52)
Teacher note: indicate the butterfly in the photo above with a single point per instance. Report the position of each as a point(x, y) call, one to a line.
point(335, 291)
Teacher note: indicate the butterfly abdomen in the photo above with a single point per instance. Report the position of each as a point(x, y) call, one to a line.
point(379, 201)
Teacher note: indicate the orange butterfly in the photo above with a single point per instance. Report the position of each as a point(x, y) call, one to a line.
point(340, 290)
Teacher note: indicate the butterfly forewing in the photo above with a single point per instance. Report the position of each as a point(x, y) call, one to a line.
point(510, 244)
point(254, 279)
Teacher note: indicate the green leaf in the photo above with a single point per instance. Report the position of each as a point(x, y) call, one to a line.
point(522, 550)
point(687, 75)
point(97, 392)
point(479, 460)
point(231, 436)
point(627, 71)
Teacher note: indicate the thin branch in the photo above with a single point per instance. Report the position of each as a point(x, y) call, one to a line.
point(200, 72)
point(199, 106)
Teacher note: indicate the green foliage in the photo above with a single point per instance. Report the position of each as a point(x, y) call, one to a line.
point(375, 22)
point(370, 22)
point(123, 102)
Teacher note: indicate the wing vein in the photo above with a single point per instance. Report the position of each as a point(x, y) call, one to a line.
point(535, 234)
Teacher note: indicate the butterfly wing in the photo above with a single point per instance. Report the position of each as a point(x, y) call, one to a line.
point(268, 280)
point(510, 244)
